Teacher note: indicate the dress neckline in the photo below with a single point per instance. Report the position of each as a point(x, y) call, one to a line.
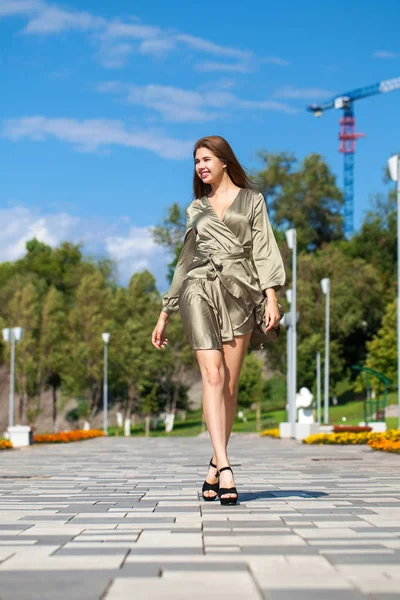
point(227, 208)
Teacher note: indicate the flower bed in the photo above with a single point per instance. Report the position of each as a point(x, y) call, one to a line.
point(388, 440)
point(271, 432)
point(350, 428)
point(67, 436)
point(5, 445)
point(339, 438)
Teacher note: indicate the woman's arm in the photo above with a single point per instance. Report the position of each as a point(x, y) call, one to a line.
point(266, 255)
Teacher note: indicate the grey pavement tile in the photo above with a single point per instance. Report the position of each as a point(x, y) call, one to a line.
point(63, 585)
point(167, 551)
point(102, 549)
point(285, 550)
point(288, 493)
point(383, 596)
point(312, 594)
point(365, 559)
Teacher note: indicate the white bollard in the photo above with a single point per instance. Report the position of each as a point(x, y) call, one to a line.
point(169, 422)
point(127, 427)
point(20, 435)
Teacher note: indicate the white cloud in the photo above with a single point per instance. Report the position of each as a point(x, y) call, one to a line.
point(9, 8)
point(290, 91)
point(93, 135)
point(203, 45)
point(117, 29)
point(131, 247)
point(180, 106)
point(53, 19)
point(385, 54)
point(157, 47)
point(136, 251)
point(115, 56)
point(115, 36)
point(20, 225)
point(212, 66)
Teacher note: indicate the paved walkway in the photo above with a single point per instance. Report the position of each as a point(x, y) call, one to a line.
point(120, 518)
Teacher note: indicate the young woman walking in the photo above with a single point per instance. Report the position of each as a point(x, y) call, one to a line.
point(224, 287)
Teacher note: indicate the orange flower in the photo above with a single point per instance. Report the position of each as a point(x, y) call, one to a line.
point(5, 445)
point(67, 436)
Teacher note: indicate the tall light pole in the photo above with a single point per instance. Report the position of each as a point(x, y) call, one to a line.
point(289, 351)
point(106, 339)
point(319, 388)
point(12, 335)
point(291, 238)
point(394, 170)
point(326, 288)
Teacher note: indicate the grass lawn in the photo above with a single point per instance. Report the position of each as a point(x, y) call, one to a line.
point(352, 410)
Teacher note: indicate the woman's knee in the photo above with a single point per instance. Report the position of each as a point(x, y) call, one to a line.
point(214, 375)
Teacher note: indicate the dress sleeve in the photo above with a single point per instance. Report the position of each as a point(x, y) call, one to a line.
point(266, 255)
point(170, 301)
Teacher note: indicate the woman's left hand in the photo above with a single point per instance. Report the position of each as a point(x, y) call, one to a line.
point(272, 315)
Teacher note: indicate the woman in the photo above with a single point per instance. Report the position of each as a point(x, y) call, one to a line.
point(222, 295)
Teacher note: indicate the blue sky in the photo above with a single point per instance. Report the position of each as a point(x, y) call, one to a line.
point(104, 100)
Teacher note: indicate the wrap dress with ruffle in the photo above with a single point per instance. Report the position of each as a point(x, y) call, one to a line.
point(222, 270)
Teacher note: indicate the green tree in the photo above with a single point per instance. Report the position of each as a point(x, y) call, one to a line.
point(382, 349)
point(376, 241)
point(89, 318)
point(137, 364)
point(53, 345)
point(251, 385)
point(307, 199)
point(170, 234)
point(24, 311)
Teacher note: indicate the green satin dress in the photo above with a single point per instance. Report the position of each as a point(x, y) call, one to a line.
point(222, 270)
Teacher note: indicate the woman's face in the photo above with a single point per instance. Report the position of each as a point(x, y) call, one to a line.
point(209, 168)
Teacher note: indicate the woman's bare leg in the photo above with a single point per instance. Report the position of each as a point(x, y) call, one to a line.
point(232, 357)
point(213, 381)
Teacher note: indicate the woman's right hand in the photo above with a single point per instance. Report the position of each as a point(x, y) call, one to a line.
point(158, 338)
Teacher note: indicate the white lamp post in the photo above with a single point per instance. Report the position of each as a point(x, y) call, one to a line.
point(106, 339)
point(326, 288)
point(291, 238)
point(394, 170)
point(319, 388)
point(12, 335)
point(289, 350)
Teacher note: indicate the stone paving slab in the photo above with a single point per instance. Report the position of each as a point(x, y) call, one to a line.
point(115, 518)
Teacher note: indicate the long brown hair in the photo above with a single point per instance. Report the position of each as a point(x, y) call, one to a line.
point(222, 150)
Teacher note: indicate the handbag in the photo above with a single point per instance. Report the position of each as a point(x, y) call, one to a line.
point(260, 334)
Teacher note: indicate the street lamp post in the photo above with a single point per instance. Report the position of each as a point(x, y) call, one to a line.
point(326, 288)
point(291, 238)
point(394, 170)
point(289, 343)
point(319, 388)
point(106, 339)
point(12, 335)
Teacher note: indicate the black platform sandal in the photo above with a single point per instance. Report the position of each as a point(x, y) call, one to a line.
point(210, 487)
point(231, 490)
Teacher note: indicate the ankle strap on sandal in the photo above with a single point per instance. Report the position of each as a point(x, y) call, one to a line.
point(225, 469)
point(212, 464)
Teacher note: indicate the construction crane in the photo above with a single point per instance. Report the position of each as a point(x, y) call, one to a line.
point(348, 137)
